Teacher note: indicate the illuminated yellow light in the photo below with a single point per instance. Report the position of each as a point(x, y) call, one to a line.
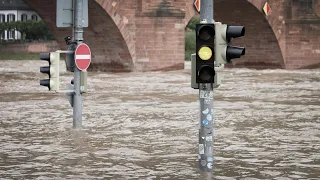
point(205, 53)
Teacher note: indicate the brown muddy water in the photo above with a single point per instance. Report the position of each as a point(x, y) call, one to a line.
point(145, 126)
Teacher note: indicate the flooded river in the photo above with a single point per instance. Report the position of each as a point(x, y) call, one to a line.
point(145, 126)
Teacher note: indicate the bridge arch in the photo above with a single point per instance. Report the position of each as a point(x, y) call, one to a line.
point(263, 39)
point(106, 35)
point(121, 32)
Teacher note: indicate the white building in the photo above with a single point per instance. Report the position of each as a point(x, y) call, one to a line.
point(15, 10)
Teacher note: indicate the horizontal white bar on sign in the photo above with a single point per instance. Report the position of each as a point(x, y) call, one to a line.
point(83, 56)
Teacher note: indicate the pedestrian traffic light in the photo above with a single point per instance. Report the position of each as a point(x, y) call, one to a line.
point(205, 53)
point(52, 70)
point(223, 48)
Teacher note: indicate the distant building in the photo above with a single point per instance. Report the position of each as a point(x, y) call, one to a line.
point(15, 10)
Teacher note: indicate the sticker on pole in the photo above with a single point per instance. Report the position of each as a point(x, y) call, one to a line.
point(82, 57)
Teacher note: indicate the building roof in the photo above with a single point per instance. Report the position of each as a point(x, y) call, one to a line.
point(13, 5)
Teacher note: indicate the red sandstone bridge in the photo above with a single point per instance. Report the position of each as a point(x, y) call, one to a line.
point(144, 35)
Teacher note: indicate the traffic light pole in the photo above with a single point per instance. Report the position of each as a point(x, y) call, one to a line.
point(206, 11)
point(206, 107)
point(78, 38)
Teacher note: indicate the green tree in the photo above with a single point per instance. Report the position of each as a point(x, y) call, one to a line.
point(30, 30)
point(193, 22)
point(190, 44)
point(190, 38)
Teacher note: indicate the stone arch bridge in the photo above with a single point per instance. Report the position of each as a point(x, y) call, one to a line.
point(147, 35)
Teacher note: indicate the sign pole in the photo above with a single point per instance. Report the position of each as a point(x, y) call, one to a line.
point(206, 107)
point(78, 38)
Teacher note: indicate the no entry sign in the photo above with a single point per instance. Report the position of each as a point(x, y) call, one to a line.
point(82, 56)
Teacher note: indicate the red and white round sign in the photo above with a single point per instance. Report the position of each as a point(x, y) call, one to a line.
point(82, 56)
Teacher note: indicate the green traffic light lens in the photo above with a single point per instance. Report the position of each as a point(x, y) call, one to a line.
point(205, 53)
point(206, 74)
point(206, 32)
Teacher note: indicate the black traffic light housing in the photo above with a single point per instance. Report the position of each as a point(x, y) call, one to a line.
point(205, 35)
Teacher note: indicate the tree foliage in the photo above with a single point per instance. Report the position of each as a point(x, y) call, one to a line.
point(30, 30)
point(190, 44)
point(192, 23)
point(190, 38)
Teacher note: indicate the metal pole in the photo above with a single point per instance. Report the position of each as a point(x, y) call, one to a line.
point(206, 108)
point(78, 37)
point(206, 11)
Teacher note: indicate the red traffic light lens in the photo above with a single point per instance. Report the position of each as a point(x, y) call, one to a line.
point(206, 32)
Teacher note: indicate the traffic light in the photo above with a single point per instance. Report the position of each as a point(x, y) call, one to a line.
point(52, 70)
point(205, 53)
point(223, 48)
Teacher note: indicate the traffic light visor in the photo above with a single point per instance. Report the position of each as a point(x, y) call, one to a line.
point(45, 56)
point(235, 31)
point(206, 32)
point(235, 52)
point(45, 82)
point(205, 53)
